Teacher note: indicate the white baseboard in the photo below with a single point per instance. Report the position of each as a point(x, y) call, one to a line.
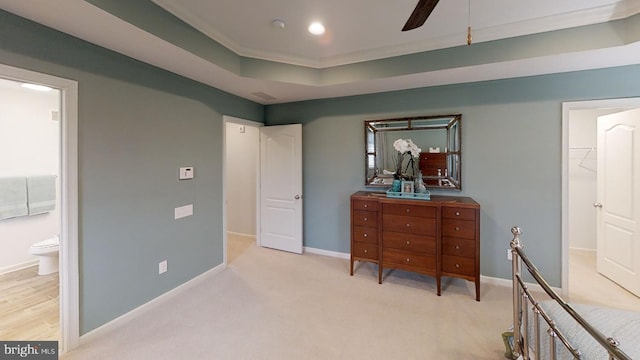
point(509, 283)
point(122, 319)
point(241, 234)
point(583, 251)
point(334, 254)
point(20, 266)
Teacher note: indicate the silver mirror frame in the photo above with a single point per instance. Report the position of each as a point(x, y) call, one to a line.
point(452, 124)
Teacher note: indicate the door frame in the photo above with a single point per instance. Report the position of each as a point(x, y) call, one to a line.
point(234, 120)
point(69, 269)
point(567, 107)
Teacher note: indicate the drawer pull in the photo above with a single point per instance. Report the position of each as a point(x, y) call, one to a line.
point(457, 228)
point(457, 246)
point(407, 210)
point(365, 219)
point(457, 266)
point(408, 242)
point(457, 213)
point(366, 251)
point(366, 205)
point(408, 225)
point(408, 260)
point(365, 235)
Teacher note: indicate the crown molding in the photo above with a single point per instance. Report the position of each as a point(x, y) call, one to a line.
point(480, 34)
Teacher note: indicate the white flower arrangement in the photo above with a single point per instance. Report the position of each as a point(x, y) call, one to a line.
point(406, 147)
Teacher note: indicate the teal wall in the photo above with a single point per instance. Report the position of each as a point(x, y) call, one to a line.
point(511, 164)
point(137, 125)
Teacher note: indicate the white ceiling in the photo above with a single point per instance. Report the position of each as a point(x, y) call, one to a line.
point(360, 30)
point(357, 31)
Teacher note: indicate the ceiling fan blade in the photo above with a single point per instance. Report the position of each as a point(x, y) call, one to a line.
point(420, 14)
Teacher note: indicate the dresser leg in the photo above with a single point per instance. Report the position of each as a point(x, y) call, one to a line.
point(438, 284)
point(379, 274)
point(478, 290)
point(351, 267)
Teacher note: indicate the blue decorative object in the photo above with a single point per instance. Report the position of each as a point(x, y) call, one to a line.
point(396, 186)
point(411, 196)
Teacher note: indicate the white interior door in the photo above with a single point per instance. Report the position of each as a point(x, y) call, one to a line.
point(281, 187)
point(618, 198)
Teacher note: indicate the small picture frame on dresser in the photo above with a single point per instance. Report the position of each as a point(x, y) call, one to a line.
point(407, 186)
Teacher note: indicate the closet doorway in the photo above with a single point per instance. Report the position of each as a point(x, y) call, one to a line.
point(581, 281)
point(67, 180)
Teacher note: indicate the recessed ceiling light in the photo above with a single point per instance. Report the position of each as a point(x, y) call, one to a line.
point(36, 87)
point(278, 23)
point(316, 28)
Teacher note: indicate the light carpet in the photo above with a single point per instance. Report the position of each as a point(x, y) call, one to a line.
point(274, 305)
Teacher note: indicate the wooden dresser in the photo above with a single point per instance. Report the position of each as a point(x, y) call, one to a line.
point(439, 237)
point(430, 163)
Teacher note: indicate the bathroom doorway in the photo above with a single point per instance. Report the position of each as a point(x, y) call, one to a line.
point(581, 280)
point(241, 177)
point(30, 221)
point(42, 144)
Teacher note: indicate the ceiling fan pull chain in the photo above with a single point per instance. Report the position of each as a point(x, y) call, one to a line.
point(469, 38)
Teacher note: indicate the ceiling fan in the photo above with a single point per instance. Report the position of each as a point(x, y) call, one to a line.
point(420, 14)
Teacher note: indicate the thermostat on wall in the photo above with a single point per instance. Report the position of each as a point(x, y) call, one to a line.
point(186, 173)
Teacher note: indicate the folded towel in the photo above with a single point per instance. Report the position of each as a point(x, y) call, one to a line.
point(13, 197)
point(41, 192)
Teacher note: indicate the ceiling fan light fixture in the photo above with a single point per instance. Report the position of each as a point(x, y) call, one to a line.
point(316, 28)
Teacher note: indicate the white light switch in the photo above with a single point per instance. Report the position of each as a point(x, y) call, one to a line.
point(163, 266)
point(186, 173)
point(183, 211)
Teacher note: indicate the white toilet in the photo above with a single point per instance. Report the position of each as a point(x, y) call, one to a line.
point(47, 250)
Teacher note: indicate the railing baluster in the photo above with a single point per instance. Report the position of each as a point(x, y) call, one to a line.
point(536, 330)
point(521, 299)
point(552, 343)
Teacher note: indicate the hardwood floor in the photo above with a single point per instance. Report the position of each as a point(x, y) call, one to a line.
point(587, 286)
point(29, 304)
point(238, 244)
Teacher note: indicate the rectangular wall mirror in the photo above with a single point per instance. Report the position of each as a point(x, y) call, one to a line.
point(438, 138)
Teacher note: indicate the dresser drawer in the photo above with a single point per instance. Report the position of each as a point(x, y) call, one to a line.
point(365, 250)
point(409, 210)
point(409, 242)
point(458, 213)
point(408, 261)
point(458, 247)
point(365, 218)
point(459, 228)
point(409, 224)
point(458, 265)
point(367, 235)
point(365, 205)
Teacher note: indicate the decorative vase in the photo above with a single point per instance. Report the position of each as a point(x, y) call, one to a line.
point(396, 185)
point(419, 184)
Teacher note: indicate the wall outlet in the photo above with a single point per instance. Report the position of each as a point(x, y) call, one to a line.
point(509, 255)
point(162, 267)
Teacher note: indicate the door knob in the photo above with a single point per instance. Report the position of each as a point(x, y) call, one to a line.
point(598, 205)
point(297, 197)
